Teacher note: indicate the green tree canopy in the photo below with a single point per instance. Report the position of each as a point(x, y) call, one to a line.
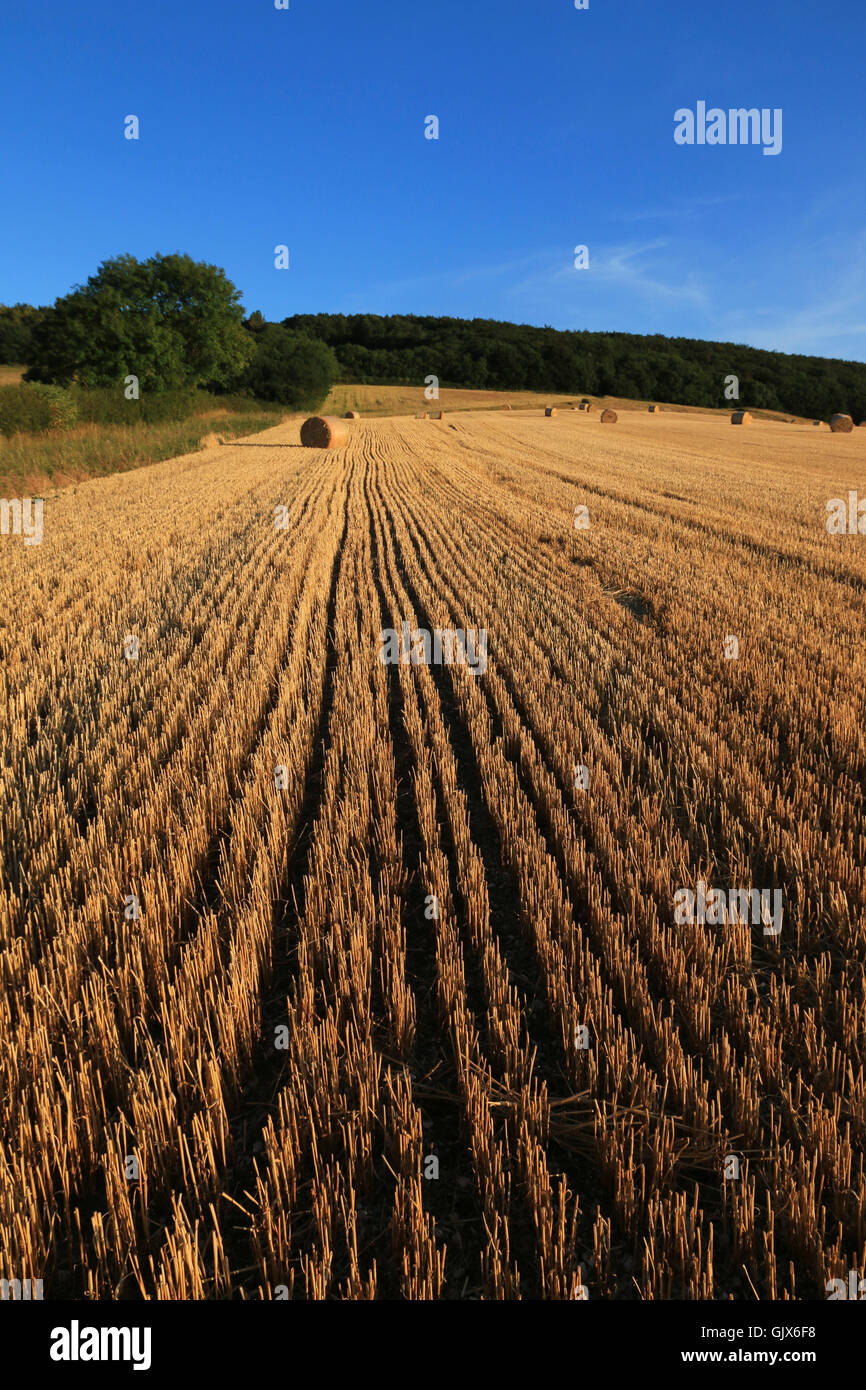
point(171, 321)
point(17, 326)
point(405, 348)
point(291, 368)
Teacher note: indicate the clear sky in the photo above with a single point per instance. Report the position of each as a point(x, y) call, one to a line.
point(305, 127)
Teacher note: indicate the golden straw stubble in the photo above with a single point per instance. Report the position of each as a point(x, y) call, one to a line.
point(405, 972)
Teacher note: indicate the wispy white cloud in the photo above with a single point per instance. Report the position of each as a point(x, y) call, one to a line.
point(808, 330)
point(801, 292)
point(677, 210)
point(629, 267)
point(834, 312)
point(447, 279)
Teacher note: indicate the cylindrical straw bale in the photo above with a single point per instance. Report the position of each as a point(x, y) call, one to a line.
point(841, 424)
point(324, 432)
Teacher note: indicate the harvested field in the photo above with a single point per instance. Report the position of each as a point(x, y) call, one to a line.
point(372, 401)
point(329, 978)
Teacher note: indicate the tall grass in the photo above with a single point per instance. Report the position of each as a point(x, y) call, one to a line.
point(92, 449)
point(37, 409)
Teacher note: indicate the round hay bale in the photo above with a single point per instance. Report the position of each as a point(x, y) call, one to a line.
point(741, 417)
point(841, 424)
point(608, 417)
point(352, 415)
point(211, 441)
point(551, 410)
point(323, 432)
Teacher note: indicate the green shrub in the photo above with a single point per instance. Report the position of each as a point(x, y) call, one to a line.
point(107, 405)
point(35, 409)
point(292, 369)
point(237, 405)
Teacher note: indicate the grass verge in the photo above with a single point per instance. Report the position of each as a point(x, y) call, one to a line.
point(32, 464)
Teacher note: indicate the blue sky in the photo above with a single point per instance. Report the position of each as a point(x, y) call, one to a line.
point(305, 127)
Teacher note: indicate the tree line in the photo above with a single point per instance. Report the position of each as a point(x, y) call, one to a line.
point(493, 355)
point(164, 326)
point(175, 323)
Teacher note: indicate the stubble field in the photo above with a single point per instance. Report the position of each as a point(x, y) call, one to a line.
point(328, 978)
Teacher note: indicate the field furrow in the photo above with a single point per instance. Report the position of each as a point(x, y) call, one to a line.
point(435, 868)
